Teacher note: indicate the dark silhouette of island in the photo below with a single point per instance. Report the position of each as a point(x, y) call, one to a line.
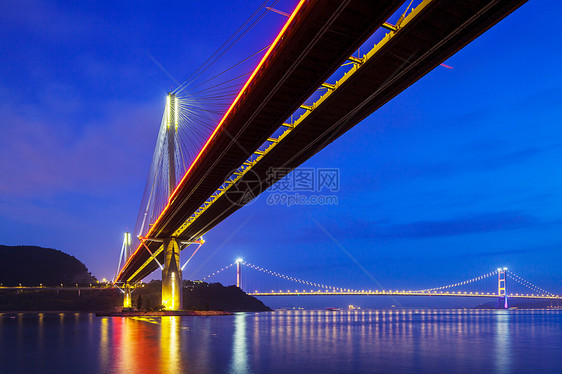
point(43, 300)
point(522, 304)
point(200, 296)
point(32, 266)
point(215, 296)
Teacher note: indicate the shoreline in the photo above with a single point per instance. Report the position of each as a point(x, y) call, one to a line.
point(181, 313)
point(122, 314)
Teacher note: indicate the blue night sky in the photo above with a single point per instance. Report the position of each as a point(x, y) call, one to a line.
point(456, 176)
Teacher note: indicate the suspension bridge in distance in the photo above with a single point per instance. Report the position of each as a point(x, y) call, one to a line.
point(500, 292)
point(296, 78)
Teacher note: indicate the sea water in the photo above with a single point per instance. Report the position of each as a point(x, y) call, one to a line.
point(286, 341)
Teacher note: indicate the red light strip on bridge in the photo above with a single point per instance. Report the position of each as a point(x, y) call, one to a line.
point(269, 51)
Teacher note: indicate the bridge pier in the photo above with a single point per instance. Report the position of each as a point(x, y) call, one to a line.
point(127, 300)
point(172, 288)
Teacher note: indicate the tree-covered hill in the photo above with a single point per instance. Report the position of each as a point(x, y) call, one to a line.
point(31, 266)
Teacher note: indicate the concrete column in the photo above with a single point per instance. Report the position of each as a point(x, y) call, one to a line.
point(172, 129)
point(172, 288)
point(127, 301)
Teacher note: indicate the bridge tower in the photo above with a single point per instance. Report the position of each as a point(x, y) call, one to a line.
point(172, 114)
point(239, 272)
point(502, 288)
point(125, 253)
point(172, 288)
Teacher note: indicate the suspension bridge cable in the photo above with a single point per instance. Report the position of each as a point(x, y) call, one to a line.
point(459, 283)
point(221, 47)
point(527, 283)
point(218, 271)
point(222, 54)
point(287, 277)
point(232, 67)
point(529, 287)
point(212, 88)
point(218, 53)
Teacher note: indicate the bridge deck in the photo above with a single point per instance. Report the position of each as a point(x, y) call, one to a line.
point(320, 37)
point(315, 42)
point(318, 40)
point(426, 38)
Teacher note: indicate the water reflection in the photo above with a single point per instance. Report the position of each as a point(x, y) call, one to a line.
point(393, 339)
point(104, 342)
point(503, 343)
point(170, 360)
point(461, 341)
point(239, 348)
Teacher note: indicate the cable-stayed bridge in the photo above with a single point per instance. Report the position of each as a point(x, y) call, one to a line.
point(333, 63)
point(493, 284)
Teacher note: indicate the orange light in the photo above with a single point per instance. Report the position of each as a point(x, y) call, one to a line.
point(271, 48)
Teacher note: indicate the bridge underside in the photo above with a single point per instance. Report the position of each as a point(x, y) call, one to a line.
point(308, 54)
point(322, 34)
point(429, 38)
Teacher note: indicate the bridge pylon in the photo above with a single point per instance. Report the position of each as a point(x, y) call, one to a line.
point(502, 288)
point(172, 288)
point(172, 114)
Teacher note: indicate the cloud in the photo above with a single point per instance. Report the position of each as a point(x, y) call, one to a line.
point(456, 226)
point(393, 173)
point(41, 156)
point(45, 20)
point(510, 252)
point(472, 224)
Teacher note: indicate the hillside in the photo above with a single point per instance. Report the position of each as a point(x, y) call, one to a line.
point(215, 296)
point(198, 296)
point(31, 266)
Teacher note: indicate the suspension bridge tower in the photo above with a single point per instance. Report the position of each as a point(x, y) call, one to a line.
point(239, 273)
point(172, 289)
point(502, 288)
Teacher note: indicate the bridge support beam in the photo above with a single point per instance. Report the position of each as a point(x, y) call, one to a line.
point(172, 288)
point(127, 300)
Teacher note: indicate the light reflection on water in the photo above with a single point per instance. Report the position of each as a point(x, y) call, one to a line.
point(239, 349)
point(460, 341)
point(503, 343)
